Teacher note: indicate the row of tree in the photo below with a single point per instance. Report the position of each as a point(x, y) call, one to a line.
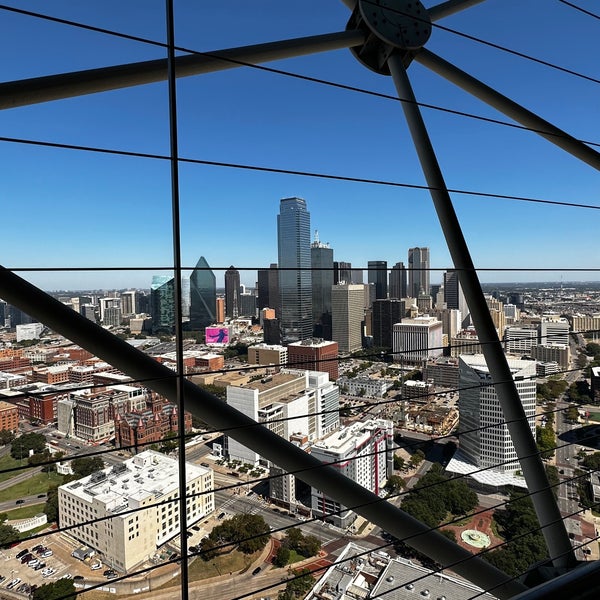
point(248, 533)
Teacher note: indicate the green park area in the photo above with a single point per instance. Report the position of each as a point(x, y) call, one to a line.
point(38, 484)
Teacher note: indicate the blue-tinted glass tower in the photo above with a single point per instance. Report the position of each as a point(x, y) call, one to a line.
point(162, 302)
point(203, 296)
point(295, 281)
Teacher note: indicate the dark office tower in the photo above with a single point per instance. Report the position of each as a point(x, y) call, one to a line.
point(268, 288)
point(398, 281)
point(451, 289)
point(321, 261)
point(418, 271)
point(203, 296)
point(162, 304)
point(3, 312)
point(385, 314)
point(295, 281)
point(232, 293)
point(378, 276)
point(356, 276)
point(342, 272)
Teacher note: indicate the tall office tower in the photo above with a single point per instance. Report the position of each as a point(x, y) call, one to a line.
point(315, 355)
point(220, 315)
point(454, 297)
point(295, 281)
point(112, 316)
point(347, 315)
point(128, 303)
point(342, 272)
point(232, 293)
point(248, 305)
point(356, 276)
point(418, 271)
point(484, 437)
point(185, 298)
point(398, 284)
point(385, 314)
point(268, 288)
point(105, 303)
point(321, 260)
point(377, 274)
point(271, 331)
point(416, 340)
point(162, 304)
point(203, 296)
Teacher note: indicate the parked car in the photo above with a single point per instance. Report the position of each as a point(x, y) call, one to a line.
point(111, 575)
point(39, 566)
point(22, 553)
point(47, 553)
point(35, 548)
point(256, 571)
point(20, 502)
point(96, 566)
point(13, 583)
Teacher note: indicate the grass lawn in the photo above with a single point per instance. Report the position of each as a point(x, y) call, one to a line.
point(8, 462)
point(37, 484)
point(595, 416)
point(295, 557)
point(26, 511)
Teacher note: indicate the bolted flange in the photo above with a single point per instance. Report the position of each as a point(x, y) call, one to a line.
point(403, 26)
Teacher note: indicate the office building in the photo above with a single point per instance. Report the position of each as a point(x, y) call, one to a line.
point(268, 288)
point(385, 314)
point(558, 353)
point(363, 452)
point(247, 305)
point(418, 271)
point(378, 276)
point(106, 303)
point(321, 260)
point(162, 295)
point(520, 339)
point(232, 293)
point(295, 280)
point(315, 355)
point(220, 308)
point(203, 296)
point(342, 272)
point(484, 438)
point(418, 339)
point(9, 417)
point(347, 315)
point(268, 354)
point(290, 403)
point(271, 331)
point(29, 331)
point(398, 282)
point(147, 484)
point(554, 329)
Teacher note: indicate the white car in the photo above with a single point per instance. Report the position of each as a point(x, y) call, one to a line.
point(13, 583)
point(96, 566)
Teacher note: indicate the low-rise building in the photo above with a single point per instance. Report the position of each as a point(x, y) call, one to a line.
point(128, 511)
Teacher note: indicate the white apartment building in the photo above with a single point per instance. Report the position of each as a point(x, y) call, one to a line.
point(520, 339)
point(289, 403)
point(141, 498)
point(418, 339)
point(485, 442)
point(29, 331)
point(363, 452)
point(364, 386)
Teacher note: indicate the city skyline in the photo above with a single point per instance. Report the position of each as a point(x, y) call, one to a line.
point(116, 211)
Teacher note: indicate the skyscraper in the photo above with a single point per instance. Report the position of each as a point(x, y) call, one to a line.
point(484, 437)
point(342, 272)
point(398, 286)
point(203, 296)
point(454, 297)
point(385, 314)
point(379, 277)
point(347, 315)
point(321, 260)
point(232, 293)
point(268, 288)
point(162, 302)
point(295, 281)
point(418, 271)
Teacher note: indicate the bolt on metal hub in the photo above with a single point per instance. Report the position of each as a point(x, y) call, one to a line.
point(401, 26)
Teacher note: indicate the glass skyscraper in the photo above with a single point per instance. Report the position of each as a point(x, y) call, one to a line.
point(418, 271)
point(321, 257)
point(232, 293)
point(162, 301)
point(295, 281)
point(203, 296)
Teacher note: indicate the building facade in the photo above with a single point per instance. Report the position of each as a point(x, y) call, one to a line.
point(398, 282)
point(418, 339)
point(203, 296)
point(378, 276)
point(148, 482)
point(347, 314)
point(418, 271)
point(321, 260)
point(232, 293)
point(295, 277)
point(315, 355)
point(162, 301)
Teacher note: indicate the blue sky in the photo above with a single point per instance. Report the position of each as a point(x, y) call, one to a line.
point(63, 208)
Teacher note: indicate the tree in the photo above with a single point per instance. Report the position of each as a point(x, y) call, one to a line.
point(84, 466)
point(417, 458)
point(6, 437)
point(572, 414)
point(63, 589)
point(395, 484)
point(8, 535)
point(249, 532)
point(21, 446)
point(282, 556)
point(51, 506)
point(168, 442)
point(546, 441)
point(208, 549)
point(398, 463)
point(297, 587)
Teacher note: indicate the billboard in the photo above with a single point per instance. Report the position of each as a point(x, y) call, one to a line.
point(217, 336)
